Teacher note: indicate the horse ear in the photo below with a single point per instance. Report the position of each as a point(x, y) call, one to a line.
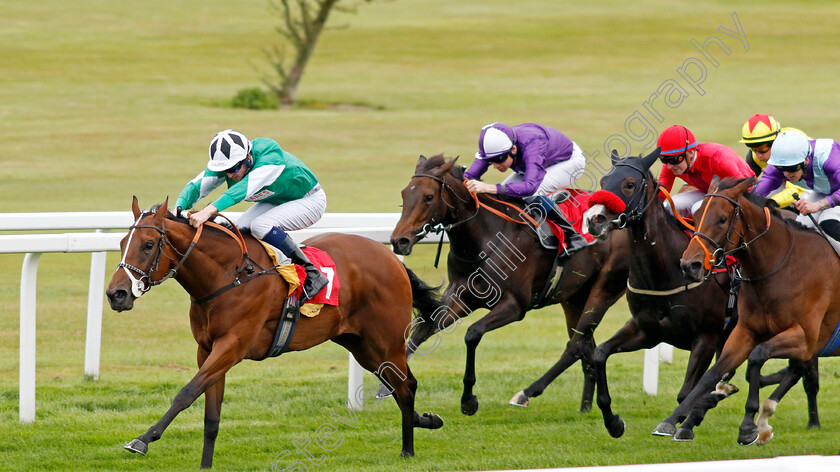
point(648, 160)
point(614, 156)
point(447, 166)
point(713, 186)
point(745, 185)
point(135, 208)
point(161, 212)
point(419, 163)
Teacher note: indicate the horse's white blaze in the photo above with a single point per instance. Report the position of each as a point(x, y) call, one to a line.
point(137, 285)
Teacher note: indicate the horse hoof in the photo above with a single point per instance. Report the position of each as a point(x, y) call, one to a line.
point(470, 405)
point(765, 436)
point(664, 429)
point(748, 439)
point(726, 389)
point(406, 454)
point(616, 429)
point(586, 407)
point(520, 399)
point(814, 425)
point(383, 392)
point(138, 446)
point(435, 421)
point(683, 435)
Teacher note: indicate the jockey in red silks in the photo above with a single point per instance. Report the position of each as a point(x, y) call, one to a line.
point(695, 163)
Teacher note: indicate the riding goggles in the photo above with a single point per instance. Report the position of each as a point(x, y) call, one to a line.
point(672, 160)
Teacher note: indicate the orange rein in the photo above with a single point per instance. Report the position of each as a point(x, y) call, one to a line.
point(674, 209)
point(501, 215)
point(709, 257)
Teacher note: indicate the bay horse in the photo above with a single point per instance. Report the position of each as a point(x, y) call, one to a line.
point(663, 307)
point(495, 262)
point(235, 313)
point(786, 309)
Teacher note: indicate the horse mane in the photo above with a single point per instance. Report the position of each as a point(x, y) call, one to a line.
point(761, 202)
point(186, 221)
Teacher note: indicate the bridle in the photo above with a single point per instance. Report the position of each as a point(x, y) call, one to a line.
point(713, 258)
point(631, 211)
point(144, 283)
point(438, 227)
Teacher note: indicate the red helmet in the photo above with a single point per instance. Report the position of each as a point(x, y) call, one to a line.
point(675, 140)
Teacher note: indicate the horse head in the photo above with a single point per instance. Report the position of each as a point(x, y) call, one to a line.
point(719, 230)
point(141, 250)
point(426, 201)
point(625, 193)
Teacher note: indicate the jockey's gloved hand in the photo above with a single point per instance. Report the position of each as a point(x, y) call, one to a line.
point(178, 211)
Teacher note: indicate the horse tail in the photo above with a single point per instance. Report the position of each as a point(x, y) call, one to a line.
point(426, 298)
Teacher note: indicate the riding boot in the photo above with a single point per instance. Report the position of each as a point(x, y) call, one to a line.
point(574, 241)
point(315, 280)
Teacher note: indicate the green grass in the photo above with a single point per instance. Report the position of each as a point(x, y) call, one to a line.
point(104, 100)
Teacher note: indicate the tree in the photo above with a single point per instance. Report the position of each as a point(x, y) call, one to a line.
point(301, 24)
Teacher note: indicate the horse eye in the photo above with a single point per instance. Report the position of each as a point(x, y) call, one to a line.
point(148, 246)
point(429, 198)
point(723, 219)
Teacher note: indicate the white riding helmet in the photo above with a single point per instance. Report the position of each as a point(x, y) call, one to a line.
point(227, 149)
point(495, 139)
point(789, 149)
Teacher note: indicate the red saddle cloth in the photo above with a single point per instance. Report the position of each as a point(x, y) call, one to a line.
point(573, 207)
point(329, 294)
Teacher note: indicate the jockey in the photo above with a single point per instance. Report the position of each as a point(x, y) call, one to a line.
point(758, 133)
point(544, 161)
point(813, 164)
point(287, 193)
point(695, 163)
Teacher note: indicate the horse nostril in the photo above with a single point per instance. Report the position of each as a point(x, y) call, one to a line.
point(118, 295)
point(401, 245)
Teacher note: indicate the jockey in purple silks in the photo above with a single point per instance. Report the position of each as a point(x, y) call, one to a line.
point(544, 161)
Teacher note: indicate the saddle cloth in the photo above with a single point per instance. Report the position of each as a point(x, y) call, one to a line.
point(295, 275)
point(573, 207)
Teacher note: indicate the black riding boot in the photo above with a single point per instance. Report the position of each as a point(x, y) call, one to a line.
point(574, 241)
point(832, 230)
point(315, 280)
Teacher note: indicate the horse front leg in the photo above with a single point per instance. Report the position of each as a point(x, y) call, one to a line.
point(213, 397)
point(629, 338)
point(701, 356)
point(787, 344)
point(506, 311)
point(218, 362)
point(735, 351)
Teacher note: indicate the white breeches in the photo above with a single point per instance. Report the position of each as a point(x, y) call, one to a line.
point(558, 176)
point(290, 216)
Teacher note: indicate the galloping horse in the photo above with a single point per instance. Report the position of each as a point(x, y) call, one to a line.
point(785, 309)
point(663, 308)
point(235, 312)
point(496, 263)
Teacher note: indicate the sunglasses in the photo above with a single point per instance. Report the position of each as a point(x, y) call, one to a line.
point(498, 159)
point(790, 169)
point(235, 168)
point(762, 148)
point(672, 160)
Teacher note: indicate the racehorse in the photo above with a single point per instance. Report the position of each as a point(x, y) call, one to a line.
point(235, 311)
point(496, 262)
point(785, 309)
point(663, 307)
